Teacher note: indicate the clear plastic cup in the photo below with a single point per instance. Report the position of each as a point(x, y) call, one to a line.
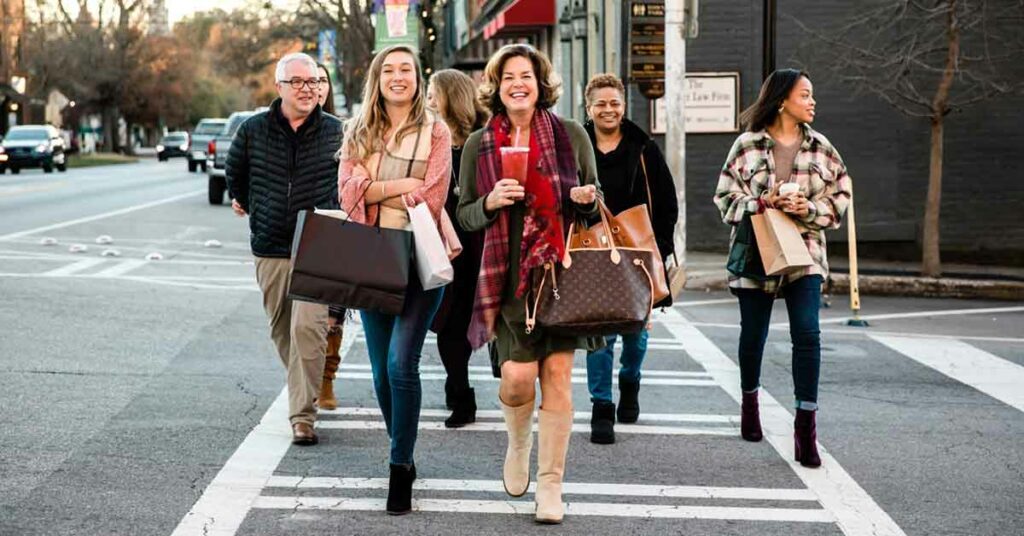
point(789, 188)
point(515, 163)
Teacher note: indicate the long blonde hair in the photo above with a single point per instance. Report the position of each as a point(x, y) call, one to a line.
point(455, 94)
point(364, 134)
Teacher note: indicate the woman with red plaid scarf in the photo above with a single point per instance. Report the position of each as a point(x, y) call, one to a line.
point(524, 221)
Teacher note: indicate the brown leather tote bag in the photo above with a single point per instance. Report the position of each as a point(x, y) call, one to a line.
point(595, 290)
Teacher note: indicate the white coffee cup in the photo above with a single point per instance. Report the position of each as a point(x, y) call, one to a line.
point(789, 188)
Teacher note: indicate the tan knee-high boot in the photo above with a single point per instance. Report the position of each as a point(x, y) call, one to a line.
point(332, 360)
point(554, 430)
point(519, 424)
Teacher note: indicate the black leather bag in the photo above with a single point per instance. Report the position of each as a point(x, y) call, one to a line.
point(356, 266)
point(744, 257)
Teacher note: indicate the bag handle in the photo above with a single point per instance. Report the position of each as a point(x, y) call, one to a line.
point(606, 215)
point(647, 185)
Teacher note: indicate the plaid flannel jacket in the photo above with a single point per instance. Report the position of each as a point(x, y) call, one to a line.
point(749, 173)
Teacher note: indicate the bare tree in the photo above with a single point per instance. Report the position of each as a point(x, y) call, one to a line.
point(351, 21)
point(927, 58)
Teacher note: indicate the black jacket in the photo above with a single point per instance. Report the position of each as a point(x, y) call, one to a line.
point(274, 172)
point(623, 192)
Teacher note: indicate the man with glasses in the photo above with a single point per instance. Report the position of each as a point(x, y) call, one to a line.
point(281, 161)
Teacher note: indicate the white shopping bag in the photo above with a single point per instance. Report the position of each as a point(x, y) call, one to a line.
point(432, 264)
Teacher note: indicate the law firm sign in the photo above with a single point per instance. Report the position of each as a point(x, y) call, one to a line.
point(711, 104)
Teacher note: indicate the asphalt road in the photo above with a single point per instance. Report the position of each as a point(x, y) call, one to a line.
point(143, 397)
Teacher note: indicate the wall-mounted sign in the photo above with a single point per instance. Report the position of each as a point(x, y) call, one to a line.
point(396, 23)
point(711, 104)
point(647, 46)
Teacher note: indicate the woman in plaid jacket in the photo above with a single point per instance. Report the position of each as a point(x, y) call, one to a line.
point(781, 148)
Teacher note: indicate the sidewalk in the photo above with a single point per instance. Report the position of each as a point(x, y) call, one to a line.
point(707, 271)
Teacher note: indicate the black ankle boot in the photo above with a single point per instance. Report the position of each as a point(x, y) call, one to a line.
point(805, 438)
point(602, 423)
point(400, 490)
point(464, 411)
point(629, 401)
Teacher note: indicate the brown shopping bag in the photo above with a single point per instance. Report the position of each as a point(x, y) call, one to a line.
point(779, 242)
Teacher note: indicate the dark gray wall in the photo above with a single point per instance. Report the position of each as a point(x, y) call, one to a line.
point(885, 151)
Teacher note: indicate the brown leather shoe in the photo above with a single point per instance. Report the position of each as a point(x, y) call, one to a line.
point(303, 434)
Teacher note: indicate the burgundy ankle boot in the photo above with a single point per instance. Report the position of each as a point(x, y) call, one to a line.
point(805, 438)
point(750, 418)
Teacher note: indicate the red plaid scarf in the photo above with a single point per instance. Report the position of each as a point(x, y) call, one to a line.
point(547, 198)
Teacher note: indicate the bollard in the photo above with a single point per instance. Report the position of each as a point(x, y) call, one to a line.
point(851, 229)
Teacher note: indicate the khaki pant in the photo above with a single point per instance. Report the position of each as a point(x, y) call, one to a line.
point(299, 331)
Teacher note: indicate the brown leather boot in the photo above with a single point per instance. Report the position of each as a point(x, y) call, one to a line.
point(332, 360)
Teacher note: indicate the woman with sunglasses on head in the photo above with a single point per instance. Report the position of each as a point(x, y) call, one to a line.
point(524, 221)
point(396, 155)
point(780, 162)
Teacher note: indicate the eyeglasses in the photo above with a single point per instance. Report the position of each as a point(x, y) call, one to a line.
point(298, 83)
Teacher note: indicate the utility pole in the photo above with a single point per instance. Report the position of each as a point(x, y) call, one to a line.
point(675, 130)
point(768, 40)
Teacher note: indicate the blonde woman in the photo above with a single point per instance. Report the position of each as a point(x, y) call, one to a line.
point(452, 95)
point(395, 155)
point(524, 221)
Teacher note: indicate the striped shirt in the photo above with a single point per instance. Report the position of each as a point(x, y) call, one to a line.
point(750, 173)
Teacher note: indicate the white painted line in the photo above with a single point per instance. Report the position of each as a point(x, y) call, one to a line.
point(104, 215)
point(652, 344)
point(72, 268)
point(964, 363)
point(120, 268)
point(577, 371)
point(580, 415)
point(648, 511)
point(862, 331)
point(569, 488)
point(686, 304)
point(855, 511)
point(224, 504)
point(576, 379)
point(922, 314)
point(500, 427)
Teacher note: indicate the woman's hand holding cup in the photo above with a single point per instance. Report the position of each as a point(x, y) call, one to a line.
point(505, 193)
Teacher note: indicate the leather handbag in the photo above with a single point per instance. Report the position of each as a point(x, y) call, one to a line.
point(630, 228)
point(596, 290)
point(325, 267)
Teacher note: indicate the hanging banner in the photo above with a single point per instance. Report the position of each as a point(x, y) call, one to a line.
point(396, 23)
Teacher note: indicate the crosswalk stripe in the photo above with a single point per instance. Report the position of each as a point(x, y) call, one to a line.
point(653, 343)
point(570, 488)
point(992, 375)
point(685, 382)
point(855, 511)
point(500, 427)
point(581, 415)
point(650, 511)
point(74, 267)
point(577, 371)
point(120, 268)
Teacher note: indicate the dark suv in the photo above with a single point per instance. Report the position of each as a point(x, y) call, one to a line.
point(173, 144)
point(30, 146)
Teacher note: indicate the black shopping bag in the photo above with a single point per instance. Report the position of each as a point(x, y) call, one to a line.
point(345, 263)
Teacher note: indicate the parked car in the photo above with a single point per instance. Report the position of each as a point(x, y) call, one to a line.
point(29, 146)
point(217, 155)
point(205, 131)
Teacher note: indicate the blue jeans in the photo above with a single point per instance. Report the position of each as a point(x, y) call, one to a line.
point(803, 299)
point(394, 344)
point(600, 362)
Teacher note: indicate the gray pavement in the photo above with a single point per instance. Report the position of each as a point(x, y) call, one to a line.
point(144, 398)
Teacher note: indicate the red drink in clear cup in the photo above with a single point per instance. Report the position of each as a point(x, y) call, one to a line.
point(514, 163)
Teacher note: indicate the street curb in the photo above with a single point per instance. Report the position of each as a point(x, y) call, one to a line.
point(881, 285)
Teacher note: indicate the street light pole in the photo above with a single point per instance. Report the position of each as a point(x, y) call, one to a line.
point(675, 124)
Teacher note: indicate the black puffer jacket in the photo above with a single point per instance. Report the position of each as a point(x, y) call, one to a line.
point(626, 191)
point(274, 172)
